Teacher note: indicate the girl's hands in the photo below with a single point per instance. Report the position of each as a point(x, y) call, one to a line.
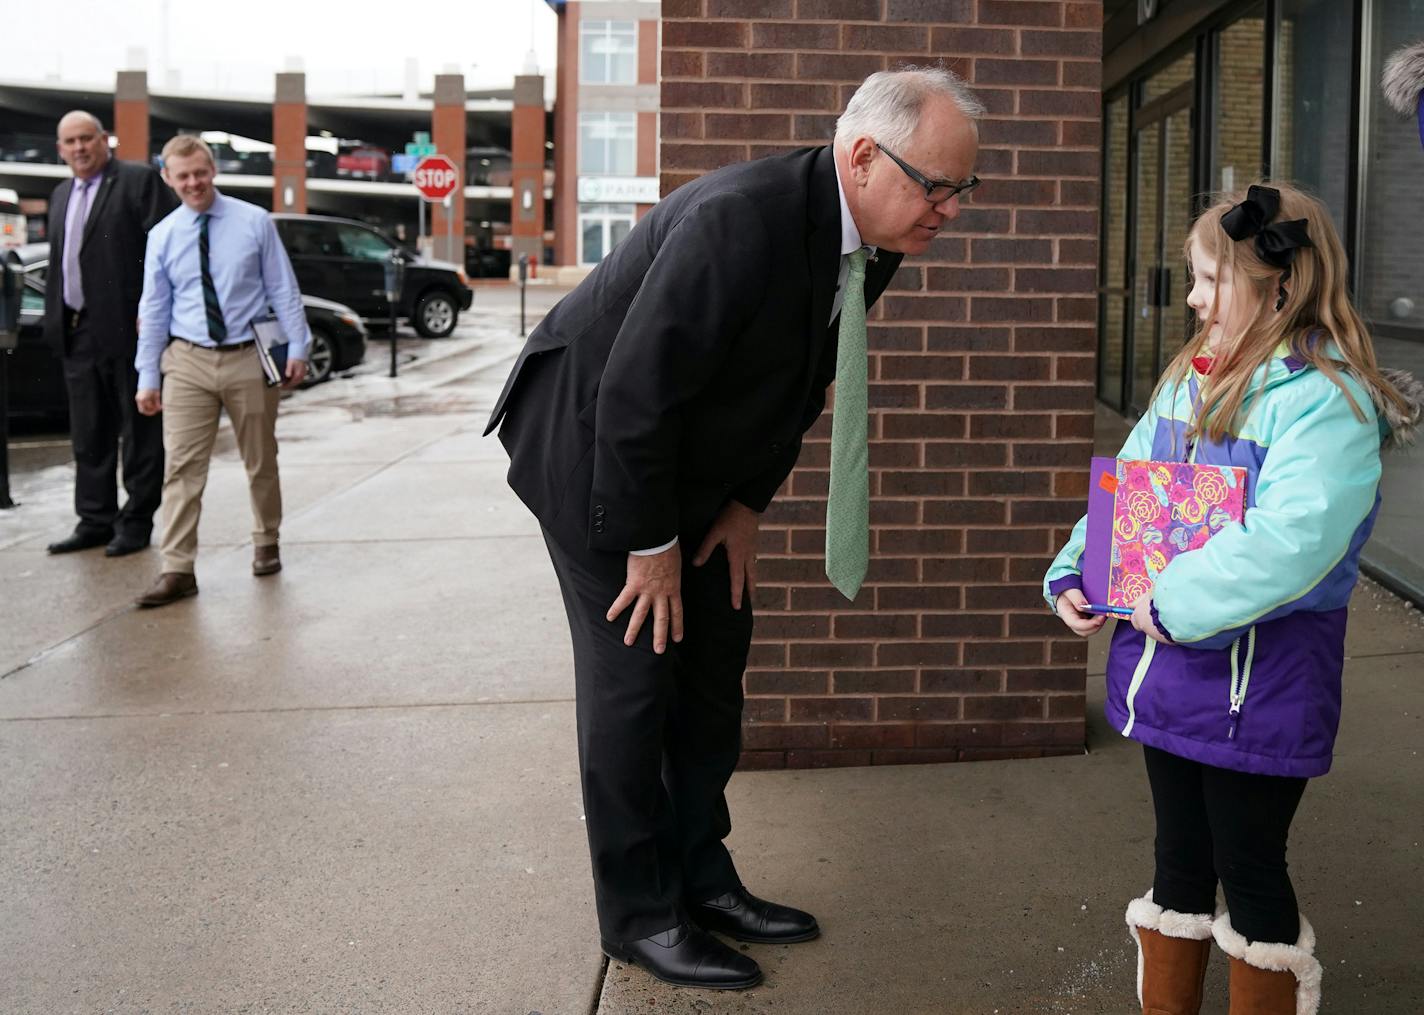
point(1142, 619)
point(1081, 624)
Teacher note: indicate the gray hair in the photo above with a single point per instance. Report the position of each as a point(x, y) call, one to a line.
point(98, 124)
point(887, 104)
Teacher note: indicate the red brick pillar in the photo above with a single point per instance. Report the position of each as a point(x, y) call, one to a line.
point(565, 137)
point(447, 130)
point(289, 134)
point(526, 213)
point(981, 374)
point(131, 115)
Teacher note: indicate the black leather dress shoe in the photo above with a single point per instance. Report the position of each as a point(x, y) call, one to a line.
point(687, 956)
point(122, 546)
point(741, 915)
point(79, 540)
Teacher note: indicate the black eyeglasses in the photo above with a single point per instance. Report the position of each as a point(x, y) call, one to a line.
point(936, 191)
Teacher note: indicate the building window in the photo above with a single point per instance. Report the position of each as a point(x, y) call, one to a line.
point(1313, 57)
point(608, 144)
point(601, 227)
point(1390, 257)
point(1239, 94)
point(608, 53)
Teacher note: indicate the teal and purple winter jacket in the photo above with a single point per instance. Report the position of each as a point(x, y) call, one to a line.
point(1251, 681)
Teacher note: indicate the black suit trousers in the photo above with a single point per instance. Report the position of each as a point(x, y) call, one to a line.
point(658, 737)
point(103, 419)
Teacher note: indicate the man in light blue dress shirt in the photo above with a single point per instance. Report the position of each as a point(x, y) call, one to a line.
point(213, 267)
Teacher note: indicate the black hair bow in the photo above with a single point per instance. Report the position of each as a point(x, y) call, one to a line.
point(1275, 243)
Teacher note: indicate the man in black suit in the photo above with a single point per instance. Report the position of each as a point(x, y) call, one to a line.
point(649, 420)
point(98, 227)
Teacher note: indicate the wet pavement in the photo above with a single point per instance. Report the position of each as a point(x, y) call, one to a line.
point(352, 787)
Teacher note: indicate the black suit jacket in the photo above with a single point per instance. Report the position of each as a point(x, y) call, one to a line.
point(686, 368)
point(131, 199)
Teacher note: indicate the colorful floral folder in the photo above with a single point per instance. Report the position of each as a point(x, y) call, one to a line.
point(1142, 514)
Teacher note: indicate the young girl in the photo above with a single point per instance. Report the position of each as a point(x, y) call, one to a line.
point(1229, 672)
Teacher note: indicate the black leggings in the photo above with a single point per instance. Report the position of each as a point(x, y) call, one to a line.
point(1214, 823)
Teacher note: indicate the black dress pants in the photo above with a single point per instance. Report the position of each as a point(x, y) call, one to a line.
point(1213, 823)
point(658, 736)
point(103, 421)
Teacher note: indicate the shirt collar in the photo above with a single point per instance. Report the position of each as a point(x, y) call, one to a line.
point(850, 235)
point(215, 210)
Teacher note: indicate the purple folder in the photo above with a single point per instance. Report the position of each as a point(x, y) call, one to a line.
point(1097, 544)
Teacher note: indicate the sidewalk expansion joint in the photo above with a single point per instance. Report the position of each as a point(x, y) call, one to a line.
point(289, 710)
point(596, 1001)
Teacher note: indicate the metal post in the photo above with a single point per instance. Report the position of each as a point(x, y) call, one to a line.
point(11, 281)
point(5, 501)
point(450, 226)
point(395, 281)
point(523, 277)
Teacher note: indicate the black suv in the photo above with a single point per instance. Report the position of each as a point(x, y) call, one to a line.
point(344, 260)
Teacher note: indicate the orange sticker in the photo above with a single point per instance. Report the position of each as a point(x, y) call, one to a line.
point(1108, 482)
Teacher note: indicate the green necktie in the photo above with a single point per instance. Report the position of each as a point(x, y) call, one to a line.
point(848, 507)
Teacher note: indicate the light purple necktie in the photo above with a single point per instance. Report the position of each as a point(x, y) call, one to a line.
point(76, 215)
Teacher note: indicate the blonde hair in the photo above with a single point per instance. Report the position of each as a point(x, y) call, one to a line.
point(1316, 311)
point(183, 145)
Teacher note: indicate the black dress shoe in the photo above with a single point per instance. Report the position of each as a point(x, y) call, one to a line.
point(741, 915)
point(122, 546)
point(687, 956)
point(80, 540)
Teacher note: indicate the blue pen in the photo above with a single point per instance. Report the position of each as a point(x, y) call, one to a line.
point(1112, 611)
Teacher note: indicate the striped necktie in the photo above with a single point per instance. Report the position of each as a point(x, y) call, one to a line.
point(217, 327)
point(848, 506)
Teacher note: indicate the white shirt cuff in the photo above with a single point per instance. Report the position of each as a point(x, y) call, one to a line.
point(657, 549)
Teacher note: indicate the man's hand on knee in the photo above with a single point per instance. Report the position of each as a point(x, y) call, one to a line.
point(654, 584)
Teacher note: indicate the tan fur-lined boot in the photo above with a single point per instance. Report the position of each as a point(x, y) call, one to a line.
point(1172, 953)
point(1271, 979)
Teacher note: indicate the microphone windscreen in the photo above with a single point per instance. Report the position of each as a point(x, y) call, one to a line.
point(1403, 78)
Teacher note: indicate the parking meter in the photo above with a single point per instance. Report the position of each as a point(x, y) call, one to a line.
point(395, 283)
point(11, 284)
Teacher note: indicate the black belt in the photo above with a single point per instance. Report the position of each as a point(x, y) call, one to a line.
point(225, 347)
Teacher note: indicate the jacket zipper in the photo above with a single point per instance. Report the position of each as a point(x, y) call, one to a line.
point(1240, 680)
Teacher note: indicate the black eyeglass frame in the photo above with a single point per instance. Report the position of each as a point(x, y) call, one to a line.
point(931, 185)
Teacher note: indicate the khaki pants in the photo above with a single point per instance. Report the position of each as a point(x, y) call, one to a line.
point(198, 384)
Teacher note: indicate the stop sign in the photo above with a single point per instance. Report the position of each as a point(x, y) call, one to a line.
point(435, 177)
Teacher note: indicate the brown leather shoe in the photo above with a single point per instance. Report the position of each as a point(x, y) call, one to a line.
point(170, 587)
point(266, 560)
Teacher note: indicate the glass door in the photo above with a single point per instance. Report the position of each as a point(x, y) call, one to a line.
point(1161, 215)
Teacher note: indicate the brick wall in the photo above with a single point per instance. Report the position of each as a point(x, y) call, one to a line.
point(982, 367)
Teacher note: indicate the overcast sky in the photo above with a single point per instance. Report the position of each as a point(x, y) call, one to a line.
point(235, 46)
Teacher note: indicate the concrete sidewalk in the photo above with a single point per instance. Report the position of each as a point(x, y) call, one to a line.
point(353, 787)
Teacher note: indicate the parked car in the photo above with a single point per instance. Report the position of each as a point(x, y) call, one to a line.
point(345, 260)
point(366, 163)
point(36, 379)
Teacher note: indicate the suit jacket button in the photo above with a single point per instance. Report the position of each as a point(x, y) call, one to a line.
point(598, 511)
point(776, 449)
point(598, 527)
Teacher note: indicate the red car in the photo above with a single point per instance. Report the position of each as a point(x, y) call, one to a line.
point(364, 164)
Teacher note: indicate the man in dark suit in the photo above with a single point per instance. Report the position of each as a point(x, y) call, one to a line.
point(98, 226)
point(649, 420)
